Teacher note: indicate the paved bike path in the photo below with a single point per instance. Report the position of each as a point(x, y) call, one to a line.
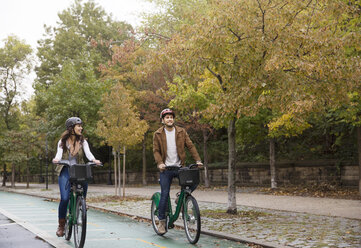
point(103, 230)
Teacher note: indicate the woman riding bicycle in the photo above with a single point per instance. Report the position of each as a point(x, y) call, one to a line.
point(71, 146)
point(169, 142)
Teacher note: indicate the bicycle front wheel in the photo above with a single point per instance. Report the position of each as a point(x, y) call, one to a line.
point(191, 219)
point(80, 222)
point(68, 224)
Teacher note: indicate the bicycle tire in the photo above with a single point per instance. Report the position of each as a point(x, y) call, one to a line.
point(68, 225)
point(80, 222)
point(154, 217)
point(191, 219)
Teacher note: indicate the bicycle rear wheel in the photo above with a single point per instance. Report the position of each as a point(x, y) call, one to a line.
point(191, 219)
point(80, 222)
point(68, 224)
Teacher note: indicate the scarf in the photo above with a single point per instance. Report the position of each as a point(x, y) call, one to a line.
point(74, 149)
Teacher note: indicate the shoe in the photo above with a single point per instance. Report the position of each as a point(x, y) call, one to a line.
point(161, 227)
point(60, 231)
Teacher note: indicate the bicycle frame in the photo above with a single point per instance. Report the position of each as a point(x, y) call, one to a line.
point(173, 217)
point(74, 193)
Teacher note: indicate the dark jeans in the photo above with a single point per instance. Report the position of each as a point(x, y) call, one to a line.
point(64, 187)
point(166, 178)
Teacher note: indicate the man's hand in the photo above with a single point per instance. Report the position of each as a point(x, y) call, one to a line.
point(161, 167)
point(199, 164)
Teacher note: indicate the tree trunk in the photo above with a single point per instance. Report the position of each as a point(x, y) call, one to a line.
point(13, 175)
point(4, 175)
point(27, 173)
point(119, 175)
point(144, 174)
point(110, 167)
point(205, 159)
point(52, 173)
point(359, 158)
point(18, 174)
point(272, 161)
point(115, 173)
point(124, 172)
point(232, 206)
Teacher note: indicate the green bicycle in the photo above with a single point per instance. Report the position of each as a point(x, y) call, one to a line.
point(187, 204)
point(76, 216)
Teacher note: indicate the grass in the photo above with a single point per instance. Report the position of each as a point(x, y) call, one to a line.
point(115, 199)
point(222, 214)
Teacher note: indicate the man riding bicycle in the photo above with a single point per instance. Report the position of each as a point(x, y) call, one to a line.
point(169, 144)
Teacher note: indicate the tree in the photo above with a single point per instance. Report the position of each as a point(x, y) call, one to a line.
point(120, 125)
point(76, 92)
point(31, 131)
point(131, 65)
point(274, 54)
point(68, 77)
point(189, 103)
point(15, 63)
point(84, 28)
point(351, 32)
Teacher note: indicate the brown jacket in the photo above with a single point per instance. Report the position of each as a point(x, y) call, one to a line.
point(182, 140)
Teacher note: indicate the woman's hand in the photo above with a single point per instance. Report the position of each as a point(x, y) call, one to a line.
point(97, 161)
point(55, 161)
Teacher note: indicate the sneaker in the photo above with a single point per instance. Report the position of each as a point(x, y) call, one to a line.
point(161, 227)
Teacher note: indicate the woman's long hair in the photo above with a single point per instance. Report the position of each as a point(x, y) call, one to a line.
point(65, 136)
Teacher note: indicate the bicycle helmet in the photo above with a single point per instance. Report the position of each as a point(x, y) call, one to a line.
point(72, 121)
point(166, 112)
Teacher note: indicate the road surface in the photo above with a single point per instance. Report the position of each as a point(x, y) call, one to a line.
point(103, 230)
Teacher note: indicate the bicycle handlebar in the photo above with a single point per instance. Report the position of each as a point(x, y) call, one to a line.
point(66, 163)
point(174, 167)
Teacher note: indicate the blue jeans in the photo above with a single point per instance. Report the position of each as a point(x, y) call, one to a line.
point(64, 187)
point(166, 178)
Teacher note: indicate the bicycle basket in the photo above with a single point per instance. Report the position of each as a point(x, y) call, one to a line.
point(188, 177)
point(80, 173)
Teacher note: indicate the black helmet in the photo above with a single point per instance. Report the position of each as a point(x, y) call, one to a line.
point(166, 112)
point(72, 121)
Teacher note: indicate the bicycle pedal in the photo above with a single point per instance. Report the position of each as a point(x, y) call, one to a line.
point(171, 226)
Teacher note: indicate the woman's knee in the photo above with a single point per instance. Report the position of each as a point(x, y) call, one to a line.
point(64, 198)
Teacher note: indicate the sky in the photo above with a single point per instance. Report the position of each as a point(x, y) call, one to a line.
point(26, 19)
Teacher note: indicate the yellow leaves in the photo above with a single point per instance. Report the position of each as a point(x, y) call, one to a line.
point(120, 124)
point(287, 125)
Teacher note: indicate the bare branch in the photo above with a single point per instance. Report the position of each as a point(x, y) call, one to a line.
point(219, 77)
